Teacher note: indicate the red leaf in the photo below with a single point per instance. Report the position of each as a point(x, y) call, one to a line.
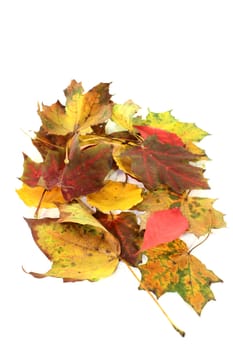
point(164, 226)
point(155, 163)
point(162, 135)
point(32, 172)
point(124, 226)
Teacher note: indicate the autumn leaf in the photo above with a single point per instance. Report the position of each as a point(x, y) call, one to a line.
point(164, 226)
point(78, 213)
point(171, 268)
point(188, 132)
point(162, 135)
point(200, 213)
point(122, 115)
point(32, 172)
point(92, 108)
point(86, 170)
point(115, 195)
point(155, 163)
point(84, 173)
point(77, 252)
point(125, 228)
point(31, 196)
point(81, 110)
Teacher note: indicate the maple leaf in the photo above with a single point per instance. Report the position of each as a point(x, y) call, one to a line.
point(86, 170)
point(81, 110)
point(164, 226)
point(162, 135)
point(78, 252)
point(115, 196)
point(122, 115)
point(155, 163)
point(31, 196)
point(125, 228)
point(84, 173)
point(200, 213)
point(171, 268)
point(188, 132)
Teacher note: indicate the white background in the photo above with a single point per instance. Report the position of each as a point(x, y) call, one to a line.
point(163, 55)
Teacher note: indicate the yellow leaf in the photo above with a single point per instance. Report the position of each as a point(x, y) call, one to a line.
point(31, 196)
point(78, 252)
point(115, 196)
point(122, 114)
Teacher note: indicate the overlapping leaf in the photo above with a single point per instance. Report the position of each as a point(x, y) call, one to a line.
point(200, 213)
point(81, 110)
point(84, 173)
point(85, 145)
point(155, 163)
point(170, 268)
point(115, 196)
point(76, 251)
point(125, 228)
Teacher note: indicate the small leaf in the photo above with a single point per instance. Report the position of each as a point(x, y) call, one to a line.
point(163, 226)
point(78, 252)
point(115, 196)
point(170, 268)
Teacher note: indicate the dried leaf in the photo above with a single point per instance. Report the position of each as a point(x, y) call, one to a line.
point(78, 252)
point(170, 268)
point(123, 114)
point(155, 163)
point(115, 196)
point(125, 228)
point(162, 135)
point(164, 226)
point(200, 213)
point(31, 196)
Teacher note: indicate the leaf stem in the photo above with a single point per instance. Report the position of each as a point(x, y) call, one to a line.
point(36, 215)
point(181, 332)
point(198, 244)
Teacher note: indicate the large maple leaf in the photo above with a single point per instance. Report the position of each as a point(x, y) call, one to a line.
point(171, 268)
point(81, 110)
point(76, 252)
point(154, 163)
point(84, 173)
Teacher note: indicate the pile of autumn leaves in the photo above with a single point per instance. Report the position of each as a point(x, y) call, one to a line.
point(121, 185)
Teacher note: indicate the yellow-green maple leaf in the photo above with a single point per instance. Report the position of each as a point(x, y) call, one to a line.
point(171, 268)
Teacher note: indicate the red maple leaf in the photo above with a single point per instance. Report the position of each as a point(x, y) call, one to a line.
point(164, 226)
point(162, 135)
point(154, 163)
